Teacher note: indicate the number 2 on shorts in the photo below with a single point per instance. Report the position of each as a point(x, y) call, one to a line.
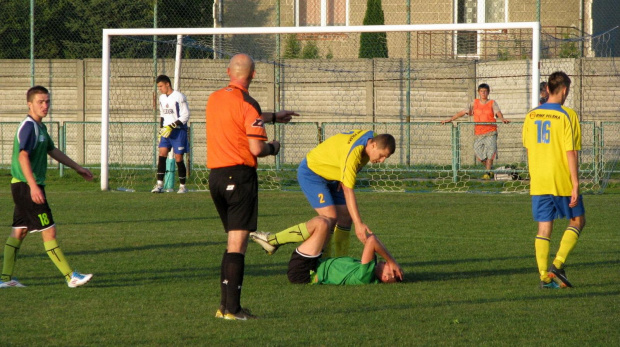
point(321, 198)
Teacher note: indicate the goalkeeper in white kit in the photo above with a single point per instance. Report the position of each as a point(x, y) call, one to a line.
point(174, 114)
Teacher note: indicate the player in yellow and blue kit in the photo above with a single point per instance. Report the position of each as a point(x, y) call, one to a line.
point(327, 177)
point(552, 136)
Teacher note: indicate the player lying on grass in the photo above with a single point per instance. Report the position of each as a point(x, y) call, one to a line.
point(307, 266)
point(327, 177)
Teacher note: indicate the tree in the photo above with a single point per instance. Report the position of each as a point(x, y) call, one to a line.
point(373, 45)
point(292, 48)
point(14, 30)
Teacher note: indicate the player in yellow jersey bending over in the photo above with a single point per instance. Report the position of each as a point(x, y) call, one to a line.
point(552, 136)
point(327, 177)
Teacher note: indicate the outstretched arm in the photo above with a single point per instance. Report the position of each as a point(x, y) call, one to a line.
point(374, 245)
point(361, 229)
point(62, 158)
point(282, 116)
point(455, 117)
point(500, 116)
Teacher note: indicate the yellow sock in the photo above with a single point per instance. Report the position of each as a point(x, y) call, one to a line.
point(327, 251)
point(341, 240)
point(54, 252)
point(569, 241)
point(542, 256)
point(296, 233)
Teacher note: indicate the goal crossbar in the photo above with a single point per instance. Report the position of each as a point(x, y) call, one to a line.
point(108, 33)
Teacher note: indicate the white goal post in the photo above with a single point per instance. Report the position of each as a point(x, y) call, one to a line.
point(108, 33)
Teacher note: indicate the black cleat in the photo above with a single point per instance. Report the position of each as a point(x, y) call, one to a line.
point(560, 275)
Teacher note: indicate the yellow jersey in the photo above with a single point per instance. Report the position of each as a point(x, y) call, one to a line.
point(341, 157)
point(549, 131)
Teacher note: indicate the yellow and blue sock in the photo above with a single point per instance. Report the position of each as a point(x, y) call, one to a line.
point(541, 244)
point(568, 243)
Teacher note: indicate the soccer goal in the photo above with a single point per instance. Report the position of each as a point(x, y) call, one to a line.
point(400, 79)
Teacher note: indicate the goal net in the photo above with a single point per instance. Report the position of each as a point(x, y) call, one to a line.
point(401, 79)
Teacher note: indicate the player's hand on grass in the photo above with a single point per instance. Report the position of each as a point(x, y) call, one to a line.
point(285, 116)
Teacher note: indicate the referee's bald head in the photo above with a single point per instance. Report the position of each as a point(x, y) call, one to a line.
point(241, 67)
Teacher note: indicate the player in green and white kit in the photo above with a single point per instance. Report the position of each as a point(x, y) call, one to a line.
point(32, 213)
point(307, 266)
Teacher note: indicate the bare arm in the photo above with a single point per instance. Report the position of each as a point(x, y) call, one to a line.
point(361, 229)
point(36, 194)
point(374, 245)
point(500, 116)
point(573, 167)
point(455, 117)
point(282, 116)
point(62, 158)
point(261, 149)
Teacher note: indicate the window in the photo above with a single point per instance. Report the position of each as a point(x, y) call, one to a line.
point(477, 11)
point(321, 12)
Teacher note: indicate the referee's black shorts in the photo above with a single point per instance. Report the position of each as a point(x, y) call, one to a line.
point(28, 214)
point(234, 191)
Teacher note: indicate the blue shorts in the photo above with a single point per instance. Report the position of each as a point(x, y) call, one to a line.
point(319, 191)
point(546, 208)
point(177, 141)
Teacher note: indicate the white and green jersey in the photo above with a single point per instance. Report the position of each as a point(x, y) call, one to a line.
point(33, 138)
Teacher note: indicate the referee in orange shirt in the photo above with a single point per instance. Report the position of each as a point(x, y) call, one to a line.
point(235, 138)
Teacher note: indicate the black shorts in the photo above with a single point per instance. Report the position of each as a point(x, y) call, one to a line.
point(235, 193)
point(299, 268)
point(27, 213)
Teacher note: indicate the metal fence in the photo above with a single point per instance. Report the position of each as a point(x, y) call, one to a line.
point(429, 156)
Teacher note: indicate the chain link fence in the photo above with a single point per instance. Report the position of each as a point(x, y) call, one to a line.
point(359, 79)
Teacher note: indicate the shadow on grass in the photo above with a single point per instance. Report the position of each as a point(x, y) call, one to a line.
point(145, 220)
point(182, 245)
point(108, 279)
point(463, 261)
point(459, 275)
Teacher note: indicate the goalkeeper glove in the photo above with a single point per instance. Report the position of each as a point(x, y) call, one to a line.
point(165, 131)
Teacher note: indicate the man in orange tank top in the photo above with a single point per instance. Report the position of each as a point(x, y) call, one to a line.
point(484, 110)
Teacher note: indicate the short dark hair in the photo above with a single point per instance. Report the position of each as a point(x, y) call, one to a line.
point(385, 141)
point(543, 86)
point(163, 78)
point(34, 91)
point(557, 80)
point(484, 86)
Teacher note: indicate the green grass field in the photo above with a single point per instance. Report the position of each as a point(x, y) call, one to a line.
point(471, 276)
